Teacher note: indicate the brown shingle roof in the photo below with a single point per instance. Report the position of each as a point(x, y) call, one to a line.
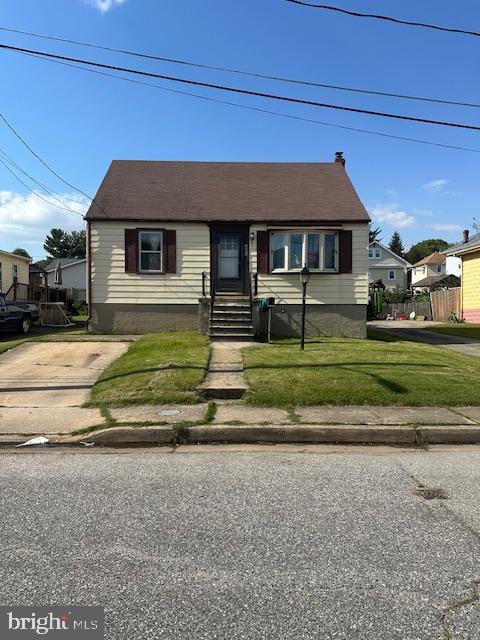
point(433, 258)
point(229, 191)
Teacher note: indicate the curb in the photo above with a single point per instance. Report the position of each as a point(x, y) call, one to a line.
point(272, 434)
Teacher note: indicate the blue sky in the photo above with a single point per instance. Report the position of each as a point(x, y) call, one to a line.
point(80, 121)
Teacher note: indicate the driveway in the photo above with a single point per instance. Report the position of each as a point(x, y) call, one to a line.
point(413, 330)
point(44, 384)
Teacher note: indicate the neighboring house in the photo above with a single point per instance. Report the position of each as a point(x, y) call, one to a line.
point(433, 283)
point(155, 227)
point(37, 274)
point(385, 265)
point(432, 265)
point(74, 276)
point(469, 253)
point(12, 266)
point(453, 265)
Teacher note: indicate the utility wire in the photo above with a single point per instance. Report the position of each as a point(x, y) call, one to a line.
point(259, 94)
point(35, 193)
point(251, 74)
point(410, 23)
point(257, 109)
point(50, 192)
point(45, 164)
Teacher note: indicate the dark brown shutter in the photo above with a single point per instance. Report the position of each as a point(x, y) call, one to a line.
point(170, 249)
point(131, 251)
point(345, 252)
point(262, 252)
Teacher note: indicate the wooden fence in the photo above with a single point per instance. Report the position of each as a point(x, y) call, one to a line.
point(445, 302)
point(406, 308)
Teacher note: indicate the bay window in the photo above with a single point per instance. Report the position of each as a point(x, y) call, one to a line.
point(290, 250)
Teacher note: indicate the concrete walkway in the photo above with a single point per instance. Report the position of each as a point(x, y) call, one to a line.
point(225, 379)
point(415, 331)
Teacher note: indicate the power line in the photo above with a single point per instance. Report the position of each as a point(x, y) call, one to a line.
point(40, 184)
point(251, 74)
point(35, 193)
point(258, 109)
point(258, 94)
point(410, 23)
point(45, 164)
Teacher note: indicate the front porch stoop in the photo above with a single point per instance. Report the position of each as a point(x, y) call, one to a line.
point(225, 379)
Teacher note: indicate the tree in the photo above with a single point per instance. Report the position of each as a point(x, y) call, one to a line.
point(374, 234)
point(61, 244)
point(22, 252)
point(425, 248)
point(396, 244)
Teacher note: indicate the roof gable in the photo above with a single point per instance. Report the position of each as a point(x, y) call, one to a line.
point(14, 255)
point(227, 191)
point(398, 258)
point(433, 258)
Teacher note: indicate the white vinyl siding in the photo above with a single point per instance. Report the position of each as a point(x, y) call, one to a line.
point(111, 284)
point(323, 288)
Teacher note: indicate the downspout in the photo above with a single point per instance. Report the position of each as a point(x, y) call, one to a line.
point(89, 273)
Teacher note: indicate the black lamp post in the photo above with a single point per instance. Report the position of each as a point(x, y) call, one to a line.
point(304, 278)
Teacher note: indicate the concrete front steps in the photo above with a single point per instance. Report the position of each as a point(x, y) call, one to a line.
point(231, 319)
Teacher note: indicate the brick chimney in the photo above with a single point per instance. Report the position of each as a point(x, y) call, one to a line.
point(465, 236)
point(339, 157)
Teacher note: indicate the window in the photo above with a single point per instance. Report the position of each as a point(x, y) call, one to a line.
point(15, 270)
point(391, 274)
point(150, 251)
point(378, 253)
point(439, 268)
point(291, 250)
point(370, 253)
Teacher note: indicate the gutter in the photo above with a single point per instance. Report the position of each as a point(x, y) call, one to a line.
point(89, 273)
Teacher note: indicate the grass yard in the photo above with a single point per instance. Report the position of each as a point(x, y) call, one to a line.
point(462, 329)
point(160, 368)
point(342, 371)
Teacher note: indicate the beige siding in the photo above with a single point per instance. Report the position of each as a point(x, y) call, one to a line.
point(7, 260)
point(378, 273)
point(110, 283)
point(323, 288)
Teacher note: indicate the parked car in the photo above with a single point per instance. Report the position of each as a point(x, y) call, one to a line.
point(17, 316)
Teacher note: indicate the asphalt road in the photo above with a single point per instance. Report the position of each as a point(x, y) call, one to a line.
point(329, 543)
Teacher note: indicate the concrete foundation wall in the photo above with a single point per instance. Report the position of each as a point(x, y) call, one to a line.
point(143, 318)
point(342, 320)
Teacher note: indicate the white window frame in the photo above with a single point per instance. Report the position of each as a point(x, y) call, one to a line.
point(378, 253)
point(370, 253)
point(15, 271)
point(439, 268)
point(390, 277)
point(140, 251)
point(305, 233)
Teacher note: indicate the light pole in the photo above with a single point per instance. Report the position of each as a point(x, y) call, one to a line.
point(304, 278)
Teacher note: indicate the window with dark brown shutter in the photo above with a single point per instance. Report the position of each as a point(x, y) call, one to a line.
point(262, 252)
point(345, 251)
point(131, 250)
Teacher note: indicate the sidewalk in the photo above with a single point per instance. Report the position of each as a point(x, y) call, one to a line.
point(238, 423)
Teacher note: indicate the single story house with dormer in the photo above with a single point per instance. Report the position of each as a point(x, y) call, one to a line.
point(186, 245)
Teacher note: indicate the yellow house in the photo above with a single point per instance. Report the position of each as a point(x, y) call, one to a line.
point(469, 252)
point(12, 266)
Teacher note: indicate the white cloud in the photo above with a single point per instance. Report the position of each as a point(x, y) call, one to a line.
point(423, 212)
point(105, 5)
point(435, 186)
point(391, 214)
point(26, 219)
point(448, 228)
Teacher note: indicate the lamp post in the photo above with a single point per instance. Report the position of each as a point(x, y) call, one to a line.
point(304, 278)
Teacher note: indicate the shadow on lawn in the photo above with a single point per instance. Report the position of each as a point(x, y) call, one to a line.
point(168, 367)
point(390, 385)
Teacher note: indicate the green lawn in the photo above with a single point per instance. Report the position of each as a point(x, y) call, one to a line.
point(461, 329)
point(342, 371)
point(159, 368)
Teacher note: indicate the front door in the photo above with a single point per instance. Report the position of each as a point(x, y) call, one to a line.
point(230, 261)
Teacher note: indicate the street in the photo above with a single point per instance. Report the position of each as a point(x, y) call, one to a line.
point(262, 542)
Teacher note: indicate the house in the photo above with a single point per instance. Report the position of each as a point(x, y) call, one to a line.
point(387, 266)
point(469, 253)
point(433, 265)
point(74, 276)
point(434, 283)
point(12, 266)
point(186, 245)
point(37, 274)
